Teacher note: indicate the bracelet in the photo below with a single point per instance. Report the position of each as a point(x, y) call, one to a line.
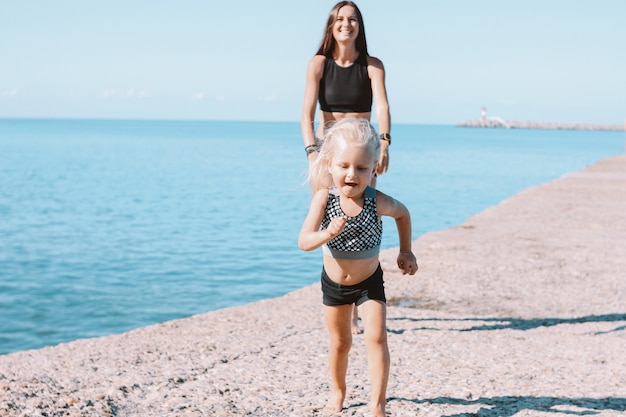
point(385, 136)
point(310, 149)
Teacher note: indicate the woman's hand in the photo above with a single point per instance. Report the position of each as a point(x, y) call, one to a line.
point(383, 161)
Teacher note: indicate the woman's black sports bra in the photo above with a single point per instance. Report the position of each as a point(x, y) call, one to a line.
point(345, 89)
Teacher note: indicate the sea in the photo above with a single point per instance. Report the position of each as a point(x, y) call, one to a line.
point(111, 225)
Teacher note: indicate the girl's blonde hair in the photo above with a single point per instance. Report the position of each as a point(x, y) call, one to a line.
point(355, 130)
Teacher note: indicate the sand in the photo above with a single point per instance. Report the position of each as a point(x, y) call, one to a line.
point(520, 311)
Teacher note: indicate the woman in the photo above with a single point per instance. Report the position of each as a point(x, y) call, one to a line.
point(345, 80)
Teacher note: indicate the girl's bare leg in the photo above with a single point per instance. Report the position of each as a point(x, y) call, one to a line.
point(374, 314)
point(338, 324)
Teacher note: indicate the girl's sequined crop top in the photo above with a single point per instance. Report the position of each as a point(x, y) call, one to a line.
point(362, 234)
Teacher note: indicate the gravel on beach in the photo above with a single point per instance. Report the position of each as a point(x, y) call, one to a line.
point(519, 311)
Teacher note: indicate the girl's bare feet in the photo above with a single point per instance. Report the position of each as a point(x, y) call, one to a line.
point(335, 404)
point(378, 410)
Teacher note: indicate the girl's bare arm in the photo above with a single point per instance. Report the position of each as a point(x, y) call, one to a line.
point(388, 206)
point(311, 237)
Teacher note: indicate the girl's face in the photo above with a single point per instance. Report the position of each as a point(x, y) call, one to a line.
point(346, 25)
point(351, 168)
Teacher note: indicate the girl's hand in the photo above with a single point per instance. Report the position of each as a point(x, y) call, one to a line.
point(407, 262)
point(336, 226)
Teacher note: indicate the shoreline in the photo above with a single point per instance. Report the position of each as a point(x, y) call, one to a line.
point(520, 309)
point(515, 124)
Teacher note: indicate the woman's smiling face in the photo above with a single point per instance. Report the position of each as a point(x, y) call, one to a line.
point(346, 25)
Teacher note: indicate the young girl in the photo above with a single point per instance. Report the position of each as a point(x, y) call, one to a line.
point(345, 80)
point(345, 219)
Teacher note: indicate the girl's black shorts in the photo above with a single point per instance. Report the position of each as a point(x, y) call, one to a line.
point(371, 288)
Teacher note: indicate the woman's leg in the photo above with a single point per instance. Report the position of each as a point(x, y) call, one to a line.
point(338, 323)
point(374, 315)
point(355, 320)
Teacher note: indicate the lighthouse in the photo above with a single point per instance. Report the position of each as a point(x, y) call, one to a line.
point(483, 116)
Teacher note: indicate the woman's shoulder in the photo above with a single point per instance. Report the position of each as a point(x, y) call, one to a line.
point(374, 62)
point(318, 60)
point(317, 63)
point(316, 67)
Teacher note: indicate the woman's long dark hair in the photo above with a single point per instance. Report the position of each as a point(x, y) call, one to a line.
point(328, 41)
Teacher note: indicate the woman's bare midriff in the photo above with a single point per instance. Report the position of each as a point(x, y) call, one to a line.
point(349, 271)
point(327, 117)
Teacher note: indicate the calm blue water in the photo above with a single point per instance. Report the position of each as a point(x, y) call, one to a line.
point(106, 226)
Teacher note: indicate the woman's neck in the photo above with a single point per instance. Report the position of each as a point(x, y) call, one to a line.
point(345, 55)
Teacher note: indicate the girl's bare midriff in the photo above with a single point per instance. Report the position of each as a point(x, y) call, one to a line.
point(350, 271)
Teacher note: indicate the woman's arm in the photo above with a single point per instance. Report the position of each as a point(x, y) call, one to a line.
point(311, 237)
point(376, 72)
point(314, 73)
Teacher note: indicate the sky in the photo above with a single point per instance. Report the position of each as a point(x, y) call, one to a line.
point(537, 60)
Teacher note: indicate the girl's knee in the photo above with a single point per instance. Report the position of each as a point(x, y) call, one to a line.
point(376, 337)
point(341, 346)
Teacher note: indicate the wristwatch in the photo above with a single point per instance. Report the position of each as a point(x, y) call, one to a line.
point(385, 136)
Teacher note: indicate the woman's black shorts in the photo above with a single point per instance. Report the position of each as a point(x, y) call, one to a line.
point(371, 288)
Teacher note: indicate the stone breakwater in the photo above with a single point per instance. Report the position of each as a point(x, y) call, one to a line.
point(513, 124)
point(519, 311)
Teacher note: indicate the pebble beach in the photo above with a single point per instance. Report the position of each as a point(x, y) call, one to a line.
point(519, 311)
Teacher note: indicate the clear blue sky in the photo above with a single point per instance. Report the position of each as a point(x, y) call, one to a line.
point(541, 60)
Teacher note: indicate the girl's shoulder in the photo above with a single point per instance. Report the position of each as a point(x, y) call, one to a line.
point(320, 196)
point(389, 206)
point(382, 198)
